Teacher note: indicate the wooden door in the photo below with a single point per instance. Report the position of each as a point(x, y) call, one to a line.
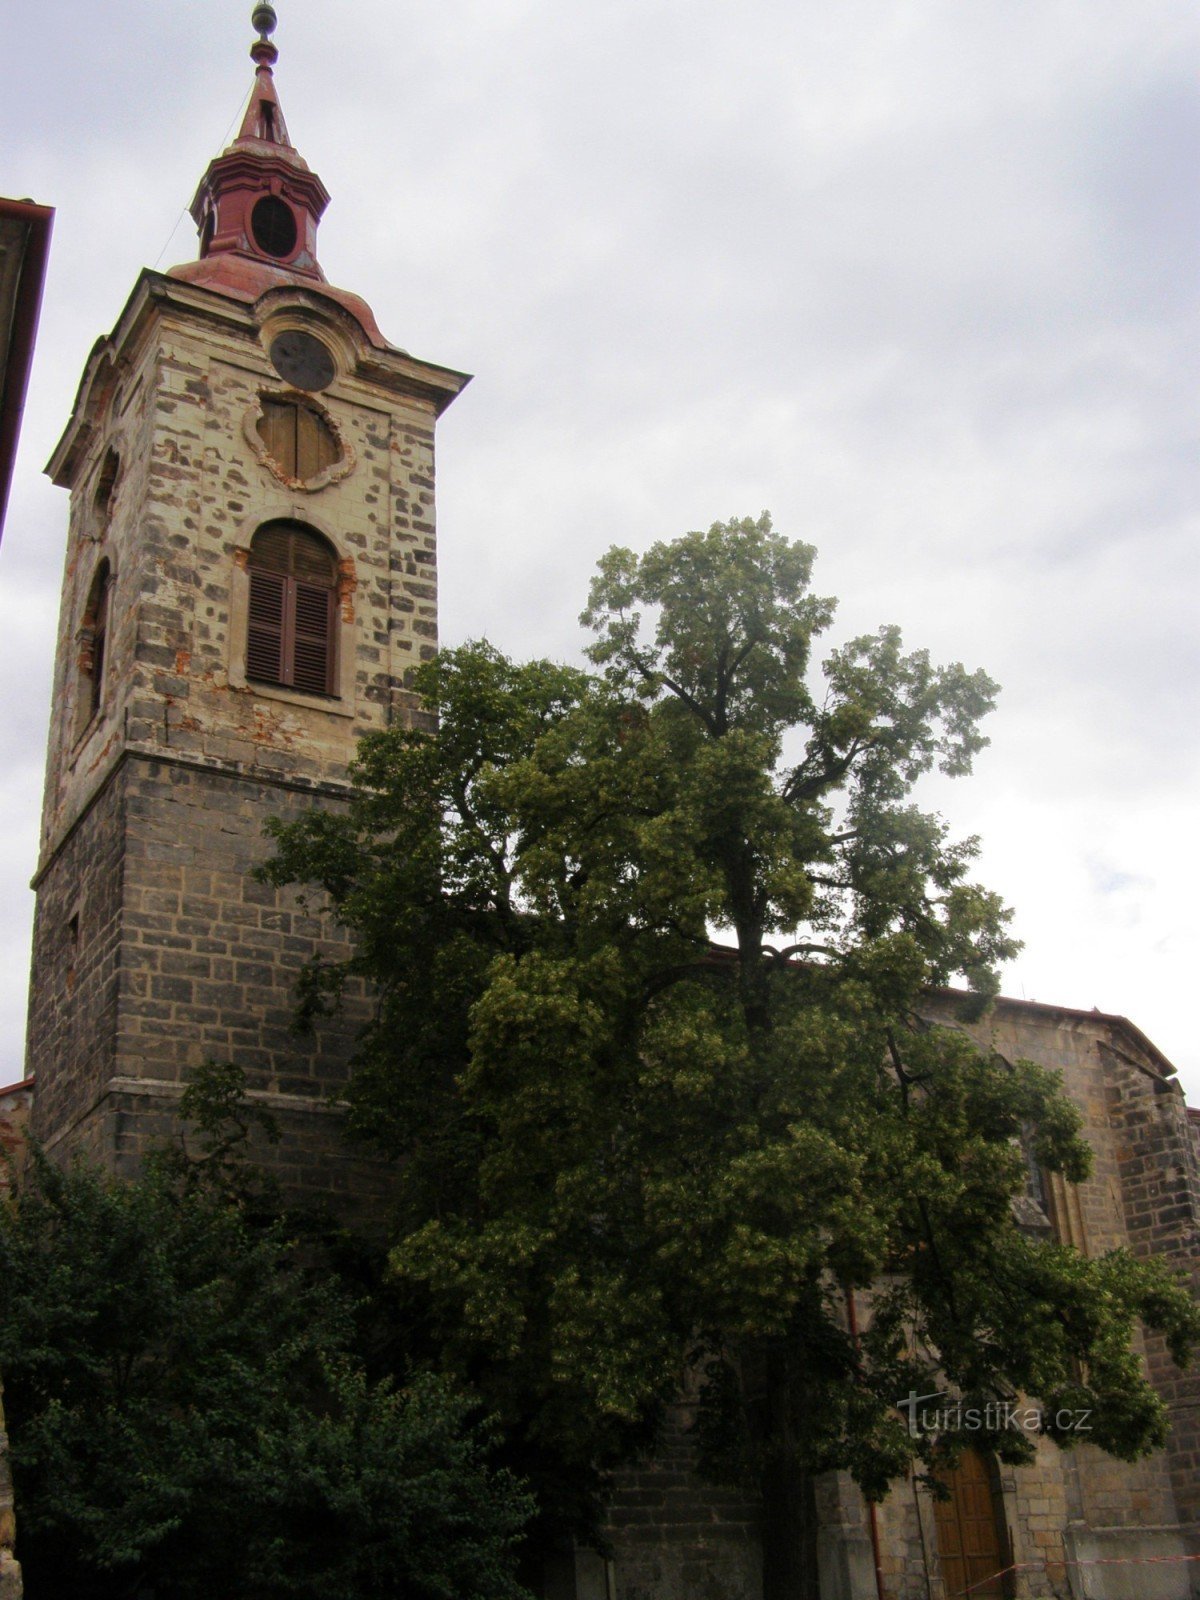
point(971, 1543)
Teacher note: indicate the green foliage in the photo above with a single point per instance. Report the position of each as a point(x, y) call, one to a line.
point(188, 1417)
point(618, 1143)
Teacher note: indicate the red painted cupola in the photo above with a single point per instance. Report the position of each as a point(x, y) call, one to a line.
point(259, 204)
point(259, 199)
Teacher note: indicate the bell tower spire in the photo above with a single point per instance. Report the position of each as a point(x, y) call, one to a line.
point(263, 121)
point(258, 205)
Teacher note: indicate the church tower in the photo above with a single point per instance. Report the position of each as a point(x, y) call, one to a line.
point(250, 581)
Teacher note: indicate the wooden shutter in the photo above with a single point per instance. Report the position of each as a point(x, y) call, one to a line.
point(316, 447)
point(297, 438)
point(312, 641)
point(292, 635)
point(265, 656)
point(309, 561)
point(277, 430)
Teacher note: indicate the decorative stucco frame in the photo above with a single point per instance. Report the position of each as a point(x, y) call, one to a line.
point(334, 473)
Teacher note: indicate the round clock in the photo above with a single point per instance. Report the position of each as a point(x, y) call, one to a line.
point(302, 360)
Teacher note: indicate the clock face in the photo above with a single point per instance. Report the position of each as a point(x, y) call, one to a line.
point(302, 360)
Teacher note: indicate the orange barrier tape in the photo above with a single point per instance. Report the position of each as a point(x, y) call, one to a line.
point(1098, 1561)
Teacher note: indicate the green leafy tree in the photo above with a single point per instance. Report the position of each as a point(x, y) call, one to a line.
point(188, 1416)
point(618, 1142)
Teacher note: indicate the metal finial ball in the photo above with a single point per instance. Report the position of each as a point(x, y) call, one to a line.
point(264, 19)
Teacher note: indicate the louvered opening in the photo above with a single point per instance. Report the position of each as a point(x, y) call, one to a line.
point(298, 439)
point(106, 488)
point(272, 549)
point(99, 648)
point(293, 552)
point(293, 609)
point(264, 642)
point(277, 430)
point(316, 447)
point(311, 561)
point(312, 653)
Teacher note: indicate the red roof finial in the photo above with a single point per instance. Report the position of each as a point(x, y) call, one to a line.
point(264, 19)
point(264, 117)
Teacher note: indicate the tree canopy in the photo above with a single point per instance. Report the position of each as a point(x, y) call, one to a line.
point(650, 944)
point(189, 1415)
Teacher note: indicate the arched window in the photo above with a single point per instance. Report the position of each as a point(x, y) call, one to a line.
point(93, 646)
point(297, 438)
point(293, 609)
point(106, 486)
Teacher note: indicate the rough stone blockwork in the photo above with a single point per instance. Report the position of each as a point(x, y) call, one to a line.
point(677, 1538)
point(173, 741)
point(72, 1036)
point(1161, 1188)
point(172, 955)
point(16, 1104)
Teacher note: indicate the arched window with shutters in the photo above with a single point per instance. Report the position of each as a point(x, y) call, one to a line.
point(292, 632)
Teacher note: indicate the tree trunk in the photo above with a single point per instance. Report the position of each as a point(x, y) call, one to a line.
point(789, 1497)
point(789, 1534)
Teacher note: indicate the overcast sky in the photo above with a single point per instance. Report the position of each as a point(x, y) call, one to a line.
point(919, 277)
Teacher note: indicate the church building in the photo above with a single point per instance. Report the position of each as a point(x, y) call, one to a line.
point(250, 580)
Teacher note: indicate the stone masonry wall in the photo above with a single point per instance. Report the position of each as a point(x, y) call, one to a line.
point(16, 1104)
point(676, 1538)
point(72, 1035)
point(1077, 1522)
point(201, 963)
point(193, 487)
point(1161, 1189)
point(1137, 1197)
point(1080, 1505)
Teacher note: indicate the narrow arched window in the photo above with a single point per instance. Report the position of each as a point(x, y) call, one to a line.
point(106, 487)
point(297, 438)
point(293, 609)
point(93, 646)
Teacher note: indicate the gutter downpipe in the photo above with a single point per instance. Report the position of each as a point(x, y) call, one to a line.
point(872, 1508)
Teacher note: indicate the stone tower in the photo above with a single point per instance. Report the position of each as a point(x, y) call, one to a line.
point(250, 580)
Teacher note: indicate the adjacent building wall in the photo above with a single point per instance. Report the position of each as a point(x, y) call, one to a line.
point(15, 1103)
point(1080, 1523)
point(1077, 1525)
point(10, 1572)
point(16, 1106)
